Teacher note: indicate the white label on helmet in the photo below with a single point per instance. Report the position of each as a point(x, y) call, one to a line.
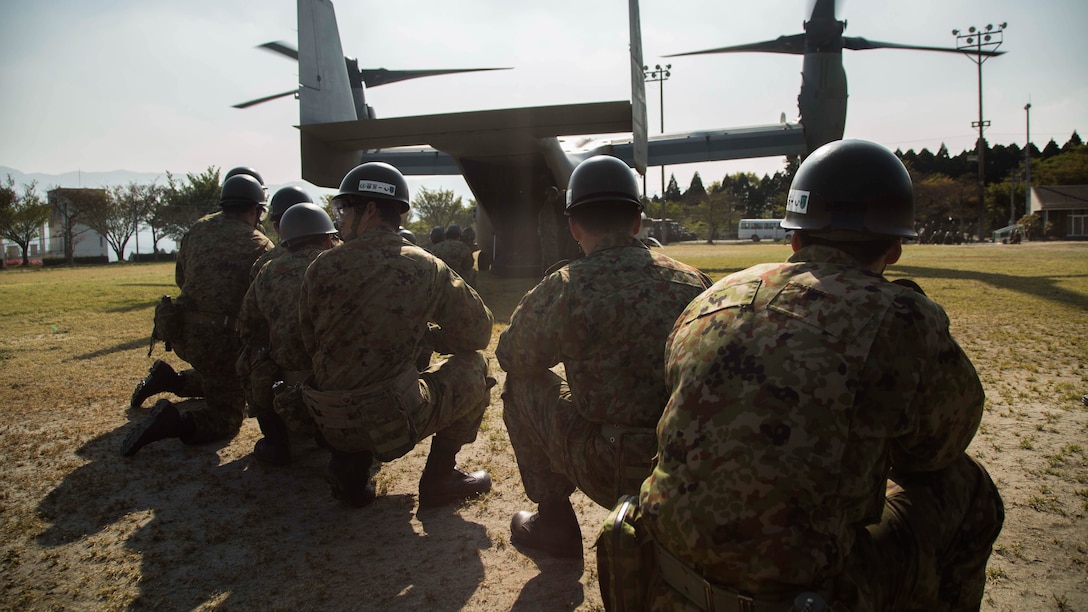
point(797, 202)
point(378, 187)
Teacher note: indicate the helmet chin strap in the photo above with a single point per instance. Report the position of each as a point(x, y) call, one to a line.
point(357, 220)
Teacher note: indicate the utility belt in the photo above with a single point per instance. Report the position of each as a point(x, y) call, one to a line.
point(211, 320)
point(635, 450)
point(713, 598)
point(375, 418)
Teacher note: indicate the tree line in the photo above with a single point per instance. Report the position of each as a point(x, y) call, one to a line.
point(945, 189)
point(946, 198)
point(168, 210)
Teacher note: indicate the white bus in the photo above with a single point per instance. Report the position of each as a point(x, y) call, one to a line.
point(758, 229)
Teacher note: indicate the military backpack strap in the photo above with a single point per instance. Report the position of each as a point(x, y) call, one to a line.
point(908, 283)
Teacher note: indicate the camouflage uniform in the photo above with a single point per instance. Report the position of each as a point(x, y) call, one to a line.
point(605, 317)
point(269, 321)
point(457, 256)
point(213, 273)
point(277, 251)
point(364, 310)
point(797, 390)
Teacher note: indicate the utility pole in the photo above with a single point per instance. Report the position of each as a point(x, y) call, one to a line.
point(659, 75)
point(1027, 162)
point(972, 43)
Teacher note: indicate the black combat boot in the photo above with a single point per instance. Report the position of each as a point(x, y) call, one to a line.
point(348, 475)
point(160, 379)
point(442, 483)
point(274, 448)
point(163, 421)
point(553, 529)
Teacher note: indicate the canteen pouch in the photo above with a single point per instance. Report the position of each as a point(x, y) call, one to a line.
point(290, 405)
point(624, 557)
point(374, 418)
point(169, 322)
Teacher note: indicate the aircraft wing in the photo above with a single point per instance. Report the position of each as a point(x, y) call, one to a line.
point(720, 145)
point(329, 148)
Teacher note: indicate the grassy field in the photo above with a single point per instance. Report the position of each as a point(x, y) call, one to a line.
point(178, 528)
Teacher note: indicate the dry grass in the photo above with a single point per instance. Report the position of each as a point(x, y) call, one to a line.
point(206, 527)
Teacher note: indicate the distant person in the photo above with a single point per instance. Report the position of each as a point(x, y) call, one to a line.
point(407, 234)
point(456, 254)
point(437, 235)
point(815, 437)
point(605, 318)
point(273, 350)
point(364, 310)
point(212, 271)
point(468, 236)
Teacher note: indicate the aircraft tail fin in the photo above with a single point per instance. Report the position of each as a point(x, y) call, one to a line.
point(325, 93)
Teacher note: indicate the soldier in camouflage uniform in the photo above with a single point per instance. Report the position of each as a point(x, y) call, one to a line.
point(815, 436)
point(364, 309)
point(212, 271)
point(605, 318)
point(272, 343)
point(282, 200)
point(456, 254)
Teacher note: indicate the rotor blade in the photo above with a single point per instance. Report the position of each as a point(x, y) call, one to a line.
point(282, 48)
point(266, 99)
point(794, 44)
point(857, 43)
point(381, 76)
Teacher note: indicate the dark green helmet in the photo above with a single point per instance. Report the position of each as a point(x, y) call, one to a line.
point(851, 190)
point(603, 179)
point(407, 234)
point(285, 198)
point(437, 234)
point(246, 171)
point(376, 181)
point(453, 232)
point(241, 190)
point(304, 219)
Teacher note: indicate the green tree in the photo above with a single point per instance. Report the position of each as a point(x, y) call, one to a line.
point(696, 193)
point(71, 208)
point(439, 208)
point(22, 218)
point(155, 198)
point(672, 192)
point(188, 200)
point(7, 201)
point(117, 217)
point(1067, 168)
point(717, 212)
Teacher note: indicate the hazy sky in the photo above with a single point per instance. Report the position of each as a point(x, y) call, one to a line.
point(148, 85)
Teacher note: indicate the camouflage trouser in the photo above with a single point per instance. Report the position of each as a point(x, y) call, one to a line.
point(212, 351)
point(455, 396)
point(556, 448)
point(258, 373)
point(928, 552)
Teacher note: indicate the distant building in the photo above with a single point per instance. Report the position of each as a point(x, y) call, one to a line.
point(85, 241)
point(1065, 206)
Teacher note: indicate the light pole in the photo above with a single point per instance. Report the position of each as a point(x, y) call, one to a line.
point(977, 41)
point(1027, 162)
point(659, 75)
